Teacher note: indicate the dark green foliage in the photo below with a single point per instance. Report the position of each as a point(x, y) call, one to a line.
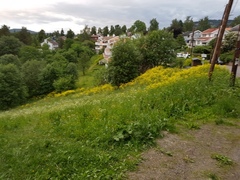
point(4, 31)
point(203, 24)
point(226, 57)
point(229, 42)
point(41, 36)
point(124, 65)
point(176, 27)
point(139, 27)
point(188, 24)
point(59, 71)
point(24, 36)
point(236, 21)
point(202, 49)
point(31, 71)
point(10, 59)
point(118, 30)
point(28, 53)
point(154, 25)
point(9, 45)
point(105, 31)
point(12, 90)
point(93, 30)
point(64, 83)
point(68, 43)
point(181, 44)
point(72, 70)
point(70, 55)
point(157, 49)
point(84, 61)
point(70, 34)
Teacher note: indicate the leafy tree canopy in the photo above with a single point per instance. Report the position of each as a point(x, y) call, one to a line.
point(4, 31)
point(9, 45)
point(154, 25)
point(12, 90)
point(204, 24)
point(235, 21)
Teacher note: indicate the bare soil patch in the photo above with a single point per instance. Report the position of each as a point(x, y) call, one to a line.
point(189, 155)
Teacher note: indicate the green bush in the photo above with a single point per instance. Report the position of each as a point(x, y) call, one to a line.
point(12, 90)
point(226, 57)
point(64, 83)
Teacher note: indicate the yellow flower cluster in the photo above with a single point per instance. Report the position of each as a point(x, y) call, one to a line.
point(103, 88)
point(160, 76)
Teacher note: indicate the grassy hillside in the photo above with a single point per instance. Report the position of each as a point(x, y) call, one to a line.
point(99, 133)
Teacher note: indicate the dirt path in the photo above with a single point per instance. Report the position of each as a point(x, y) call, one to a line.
point(189, 156)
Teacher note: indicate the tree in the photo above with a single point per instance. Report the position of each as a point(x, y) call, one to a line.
point(9, 45)
point(28, 53)
point(12, 90)
point(24, 36)
point(157, 49)
point(176, 27)
point(139, 27)
point(124, 29)
point(100, 31)
point(62, 32)
point(68, 43)
point(203, 24)
point(236, 21)
point(229, 42)
point(84, 61)
point(31, 71)
point(93, 30)
point(10, 59)
point(124, 65)
point(4, 31)
point(154, 25)
point(70, 34)
point(105, 31)
point(188, 24)
point(70, 55)
point(112, 30)
point(85, 34)
point(54, 70)
point(118, 30)
point(180, 42)
point(41, 36)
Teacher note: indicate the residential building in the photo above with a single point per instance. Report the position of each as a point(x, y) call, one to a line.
point(51, 43)
point(208, 35)
point(190, 37)
point(106, 43)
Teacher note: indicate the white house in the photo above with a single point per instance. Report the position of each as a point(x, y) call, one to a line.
point(106, 43)
point(208, 35)
point(51, 43)
point(190, 37)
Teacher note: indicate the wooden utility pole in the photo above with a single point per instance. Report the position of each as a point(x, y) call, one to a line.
point(222, 28)
point(235, 60)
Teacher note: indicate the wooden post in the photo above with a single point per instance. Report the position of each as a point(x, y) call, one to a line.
point(222, 28)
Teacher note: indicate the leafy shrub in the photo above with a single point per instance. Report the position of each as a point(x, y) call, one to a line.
point(226, 57)
point(64, 83)
point(12, 90)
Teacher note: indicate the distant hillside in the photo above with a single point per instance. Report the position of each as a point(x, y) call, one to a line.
point(215, 22)
point(17, 30)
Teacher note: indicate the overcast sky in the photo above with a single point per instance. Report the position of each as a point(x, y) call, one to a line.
point(52, 15)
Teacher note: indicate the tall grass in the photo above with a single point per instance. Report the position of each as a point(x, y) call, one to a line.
point(99, 133)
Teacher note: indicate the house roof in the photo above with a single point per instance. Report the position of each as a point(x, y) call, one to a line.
point(205, 39)
point(235, 28)
point(210, 30)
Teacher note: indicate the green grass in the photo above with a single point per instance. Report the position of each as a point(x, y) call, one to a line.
point(101, 136)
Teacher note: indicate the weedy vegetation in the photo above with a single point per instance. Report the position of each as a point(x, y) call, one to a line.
point(99, 133)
